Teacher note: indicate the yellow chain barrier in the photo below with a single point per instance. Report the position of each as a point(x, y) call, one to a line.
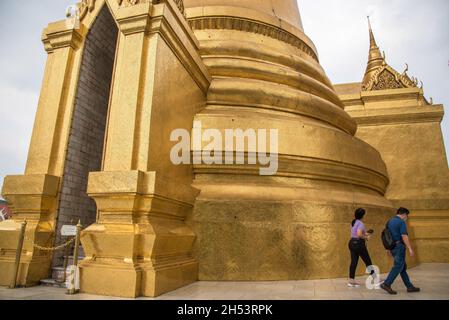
point(62, 246)
point(52, 249)
point(72, 288)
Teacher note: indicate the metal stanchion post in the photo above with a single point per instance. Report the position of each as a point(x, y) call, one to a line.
point(66, 262)
point(72, 289)
point(18, 254)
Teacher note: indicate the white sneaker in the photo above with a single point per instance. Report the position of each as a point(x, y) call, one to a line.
point(353, 285)
point(377, 286)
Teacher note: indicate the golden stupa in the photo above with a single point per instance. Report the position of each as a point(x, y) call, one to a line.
point(130, 73)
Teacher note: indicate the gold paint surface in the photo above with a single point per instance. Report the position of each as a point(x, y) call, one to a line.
point(294, 225)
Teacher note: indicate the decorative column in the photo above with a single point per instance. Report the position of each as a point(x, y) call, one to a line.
point(140, 245)
point(33, 196)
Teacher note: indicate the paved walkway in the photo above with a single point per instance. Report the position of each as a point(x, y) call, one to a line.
point(432, 278)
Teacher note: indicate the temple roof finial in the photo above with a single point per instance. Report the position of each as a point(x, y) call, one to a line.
point(375, 58)
point(379, 75)
point(372, 39)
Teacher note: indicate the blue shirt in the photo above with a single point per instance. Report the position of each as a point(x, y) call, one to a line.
point(397, 227)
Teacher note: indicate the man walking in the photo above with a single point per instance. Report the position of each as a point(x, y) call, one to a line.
point(398, 230)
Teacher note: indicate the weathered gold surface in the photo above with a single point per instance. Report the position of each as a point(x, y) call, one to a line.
point(32, 198)
point(294, 225)
point(140, 244)
point(281, 13)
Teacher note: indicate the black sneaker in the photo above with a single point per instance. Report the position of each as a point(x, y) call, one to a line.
point(388, 289)
point(413, 290)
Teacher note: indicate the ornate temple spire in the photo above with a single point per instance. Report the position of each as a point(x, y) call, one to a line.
point(375, 58)
point(381, 76)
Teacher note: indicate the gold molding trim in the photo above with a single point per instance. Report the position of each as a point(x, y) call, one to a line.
point(308, 168)
point(86, 6)
point(179, 4)
point(127, 3)
point(380, 117)
point(246, 25)
point(56, 39)
point(376, 120)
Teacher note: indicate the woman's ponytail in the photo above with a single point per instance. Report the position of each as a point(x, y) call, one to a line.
point(359, 214)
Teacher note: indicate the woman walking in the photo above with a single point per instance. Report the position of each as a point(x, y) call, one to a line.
point(357, 245)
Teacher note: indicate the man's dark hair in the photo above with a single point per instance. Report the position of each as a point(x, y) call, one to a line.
point(403, 211)
point(358, 214)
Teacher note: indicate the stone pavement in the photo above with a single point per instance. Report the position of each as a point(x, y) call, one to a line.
point(432, 278)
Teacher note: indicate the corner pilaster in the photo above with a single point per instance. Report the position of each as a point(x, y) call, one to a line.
point(33, 196)
point(140, 244)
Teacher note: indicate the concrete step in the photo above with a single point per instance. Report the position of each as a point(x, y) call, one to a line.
point(53, 283)
point(58, 273)
point(57, 279)
point(70, 260)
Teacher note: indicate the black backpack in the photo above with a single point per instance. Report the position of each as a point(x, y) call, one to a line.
point(387, 239)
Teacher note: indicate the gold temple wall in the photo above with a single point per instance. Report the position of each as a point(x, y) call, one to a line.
point(34, 196)
point(139, 245)
point(295, 224)
point(407, 132)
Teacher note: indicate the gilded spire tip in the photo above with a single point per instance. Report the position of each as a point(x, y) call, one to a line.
point(375, 58)
point(371, 34)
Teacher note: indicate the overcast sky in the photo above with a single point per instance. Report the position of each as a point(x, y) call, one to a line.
point(412, 31)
